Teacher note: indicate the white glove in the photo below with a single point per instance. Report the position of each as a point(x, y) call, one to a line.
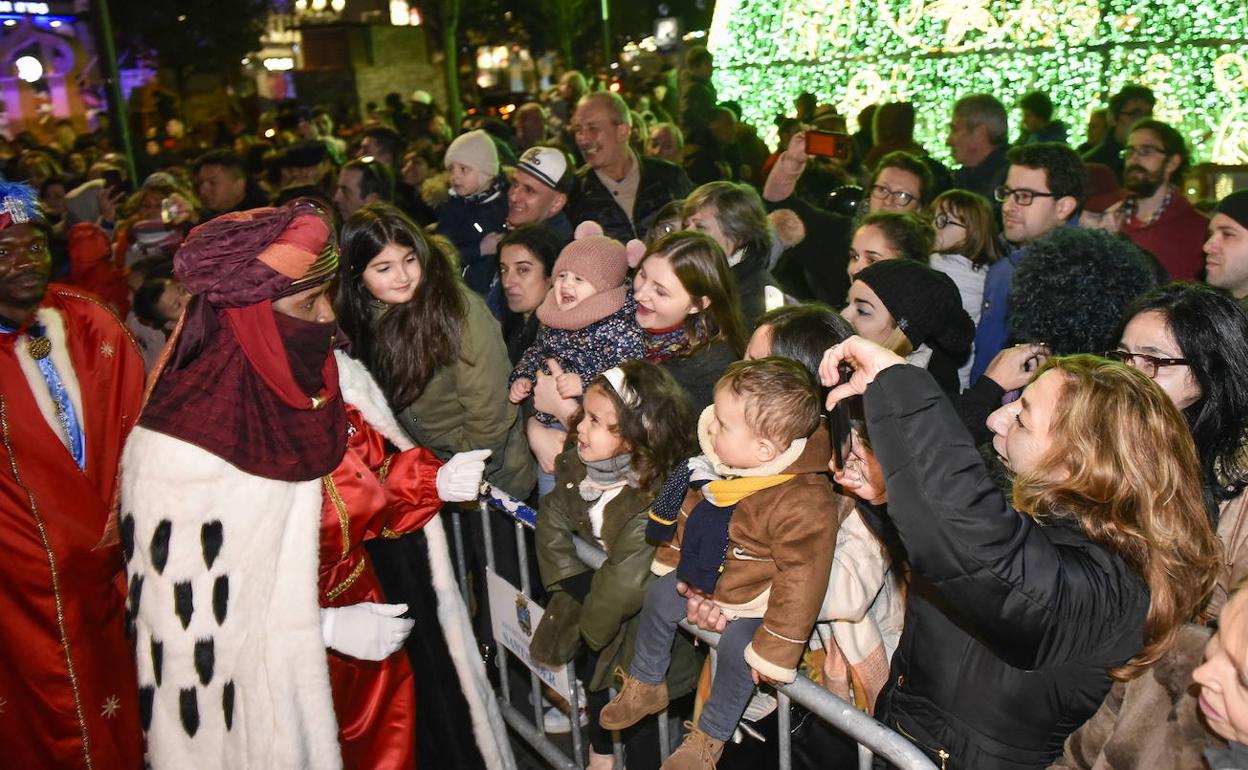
point(368, 631)
point(460, 479)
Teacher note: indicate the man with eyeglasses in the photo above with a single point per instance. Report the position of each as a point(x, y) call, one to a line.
point(1157, 216)
point(1046, 185)
point(1226, 251)
point(1132, 103)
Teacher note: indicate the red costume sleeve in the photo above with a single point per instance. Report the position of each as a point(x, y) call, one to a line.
point(408, 479)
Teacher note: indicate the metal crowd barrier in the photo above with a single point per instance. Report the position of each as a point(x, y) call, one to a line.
point(872, 736)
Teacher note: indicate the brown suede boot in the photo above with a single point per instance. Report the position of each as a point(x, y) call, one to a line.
point(699, 751)
point(635, 701)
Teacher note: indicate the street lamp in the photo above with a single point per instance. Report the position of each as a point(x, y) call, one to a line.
point(29, 69)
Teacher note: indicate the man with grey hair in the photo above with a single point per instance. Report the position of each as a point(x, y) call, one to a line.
point(666, 142)
point(977, 139)
point(615, 188)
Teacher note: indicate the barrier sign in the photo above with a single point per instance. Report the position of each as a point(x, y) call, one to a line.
point(515, 618)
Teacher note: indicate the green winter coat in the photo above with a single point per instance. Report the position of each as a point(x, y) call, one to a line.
point(607, 622)
point(464, 406)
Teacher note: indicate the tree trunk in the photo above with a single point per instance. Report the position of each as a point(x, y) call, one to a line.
point(450, 45)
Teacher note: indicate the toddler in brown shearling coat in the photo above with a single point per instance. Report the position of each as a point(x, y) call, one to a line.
point(769, 449)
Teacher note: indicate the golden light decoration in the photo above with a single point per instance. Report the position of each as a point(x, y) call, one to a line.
point(957, 26)
point(1230, 144)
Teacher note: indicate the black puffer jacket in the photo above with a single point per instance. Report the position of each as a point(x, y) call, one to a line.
point(661, 182)
point(753, 278)
point(1010, 625)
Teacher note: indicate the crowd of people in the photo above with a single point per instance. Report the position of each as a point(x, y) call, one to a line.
point(964, 445)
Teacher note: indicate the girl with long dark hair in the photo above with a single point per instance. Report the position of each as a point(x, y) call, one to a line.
point(435, 349)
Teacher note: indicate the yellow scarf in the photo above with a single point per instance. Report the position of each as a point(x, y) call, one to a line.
point(728, 492)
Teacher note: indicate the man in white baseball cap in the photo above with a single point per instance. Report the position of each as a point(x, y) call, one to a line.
point(540, 189)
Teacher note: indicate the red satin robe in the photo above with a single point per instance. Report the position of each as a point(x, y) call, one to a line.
point(372, 493)
point(68, 692)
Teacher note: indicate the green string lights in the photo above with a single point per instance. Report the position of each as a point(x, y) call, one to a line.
point(851, 53)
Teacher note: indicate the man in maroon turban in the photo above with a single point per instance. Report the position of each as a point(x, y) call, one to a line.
point(221, 500)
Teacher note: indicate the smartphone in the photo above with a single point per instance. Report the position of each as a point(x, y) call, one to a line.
point(828, 144)
point(114, 181)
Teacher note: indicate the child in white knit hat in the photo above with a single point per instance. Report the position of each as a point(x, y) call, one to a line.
point(477, 205)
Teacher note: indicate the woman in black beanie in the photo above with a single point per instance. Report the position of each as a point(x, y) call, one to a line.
point(916, 312)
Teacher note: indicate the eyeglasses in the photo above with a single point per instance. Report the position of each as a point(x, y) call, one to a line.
point(1145, 151)
point(1145, 363)
point(943, 220)
point(666, 228)
point(900, 197)
point(1021, 197)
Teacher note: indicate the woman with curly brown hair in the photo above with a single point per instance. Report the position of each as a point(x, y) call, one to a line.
point(1021, 613)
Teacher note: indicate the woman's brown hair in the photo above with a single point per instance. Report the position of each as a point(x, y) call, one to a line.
point(738, 211)
point(410, 342)
point(909, 234)
point(1126, 469)
point(980, 243)
point(702, 268)
point(657, 425)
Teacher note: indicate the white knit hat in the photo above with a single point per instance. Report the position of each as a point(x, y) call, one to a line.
point(474, 149)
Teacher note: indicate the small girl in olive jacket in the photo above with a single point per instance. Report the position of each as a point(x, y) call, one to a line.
point(635, 423)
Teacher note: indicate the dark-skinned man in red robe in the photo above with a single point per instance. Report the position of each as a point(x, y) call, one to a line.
point(71, 381)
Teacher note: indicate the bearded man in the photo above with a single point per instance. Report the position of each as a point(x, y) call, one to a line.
point(1157, 216)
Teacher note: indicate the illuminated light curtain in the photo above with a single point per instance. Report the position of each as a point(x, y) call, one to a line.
point(851, 53)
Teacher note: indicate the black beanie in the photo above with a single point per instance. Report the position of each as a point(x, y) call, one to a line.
point(1235, 206)
point(925, 304)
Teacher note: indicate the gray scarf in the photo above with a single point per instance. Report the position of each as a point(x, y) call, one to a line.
point(606, 474)
point(1233, 757)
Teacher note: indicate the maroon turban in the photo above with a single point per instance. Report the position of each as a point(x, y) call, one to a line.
point(253, 386)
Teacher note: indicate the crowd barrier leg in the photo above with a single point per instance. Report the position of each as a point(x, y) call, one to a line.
point(784, 742)
point(665, 737)
point(461, 568)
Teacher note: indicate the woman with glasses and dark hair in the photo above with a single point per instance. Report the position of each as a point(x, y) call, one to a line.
point(965, 247)
point(1192, 340)
point(902, 182)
